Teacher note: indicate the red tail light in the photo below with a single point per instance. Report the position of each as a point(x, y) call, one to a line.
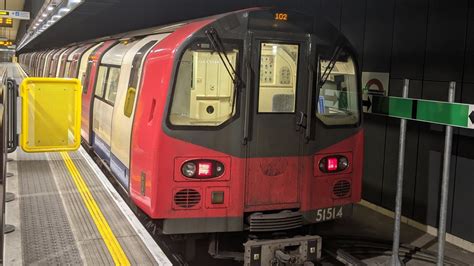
point(205, 169)
point(332, 164)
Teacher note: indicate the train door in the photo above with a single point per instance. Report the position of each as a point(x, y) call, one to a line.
point(105, 94)
point(279, 91)
point(122, 118)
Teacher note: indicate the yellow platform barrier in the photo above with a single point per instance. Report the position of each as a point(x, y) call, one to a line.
point(51, 114)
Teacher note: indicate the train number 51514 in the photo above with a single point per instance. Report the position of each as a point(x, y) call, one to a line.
point(329, 214)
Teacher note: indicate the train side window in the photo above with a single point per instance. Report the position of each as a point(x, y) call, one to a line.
point(338, 102)
point(278, 75)
point(134, 78)
point(112, 84)
point(203, 92)
point(101, 79)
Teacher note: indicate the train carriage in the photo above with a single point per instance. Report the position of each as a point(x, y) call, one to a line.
point(47, 63)
point(53, 69)
point(88, 75)
point(245, 121)
point(63, 59)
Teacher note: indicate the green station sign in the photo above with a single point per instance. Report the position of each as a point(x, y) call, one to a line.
point(436, 112)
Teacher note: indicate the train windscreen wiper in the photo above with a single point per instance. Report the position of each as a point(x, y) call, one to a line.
point(330, 66)
point(217, 44)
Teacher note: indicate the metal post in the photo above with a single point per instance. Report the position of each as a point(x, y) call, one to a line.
point(395, 259)
point(445, 182)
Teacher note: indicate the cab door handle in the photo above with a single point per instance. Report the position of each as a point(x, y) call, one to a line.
point(300, 120)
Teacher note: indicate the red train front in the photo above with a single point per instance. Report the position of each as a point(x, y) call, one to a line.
point(238, 118)
point(249, 120)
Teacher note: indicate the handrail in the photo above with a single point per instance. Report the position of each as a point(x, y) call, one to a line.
point(11, 120)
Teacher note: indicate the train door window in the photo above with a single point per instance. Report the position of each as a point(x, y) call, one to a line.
point(134, 78)
point(112, 84)
point(204, 90)
point(101, 79)
point(278, 75)
point(66, 70)
point(86, 75)
point(338, 102)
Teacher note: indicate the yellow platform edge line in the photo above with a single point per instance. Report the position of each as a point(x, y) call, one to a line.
point(114, 247)
point(22, 72)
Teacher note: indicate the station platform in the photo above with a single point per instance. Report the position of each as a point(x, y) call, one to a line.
point(67, 212)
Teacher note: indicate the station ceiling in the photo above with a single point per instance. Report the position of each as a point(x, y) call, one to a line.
point(11, 33)
point(97, 18)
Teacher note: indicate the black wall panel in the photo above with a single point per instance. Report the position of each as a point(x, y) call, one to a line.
point(375, 51)
point(353, 24)
point(378, 35)
point(409, 38)
point(446, 38)
point(469, 54)
point(462, 217)
point(462, 220)
point(391, 153)
point(430, 161)
point(374, 127)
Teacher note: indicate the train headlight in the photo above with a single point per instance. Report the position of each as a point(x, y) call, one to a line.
point(343, 163)
point(189, 169)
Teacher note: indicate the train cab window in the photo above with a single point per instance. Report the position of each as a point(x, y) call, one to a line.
point(338, 102)
point(101, 79)
point(204, 89)
point(278, 75)
point(112, 84)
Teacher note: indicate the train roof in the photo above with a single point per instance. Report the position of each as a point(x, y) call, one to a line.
point(324, 31)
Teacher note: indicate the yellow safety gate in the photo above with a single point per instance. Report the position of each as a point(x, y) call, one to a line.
point(51, 114)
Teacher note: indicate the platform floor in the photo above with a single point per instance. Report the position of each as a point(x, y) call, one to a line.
point(366, 223)
point(67, 212)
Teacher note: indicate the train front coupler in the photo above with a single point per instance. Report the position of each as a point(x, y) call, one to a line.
point(298, 250)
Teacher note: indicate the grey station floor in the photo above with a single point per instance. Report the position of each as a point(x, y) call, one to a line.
point(67, 212)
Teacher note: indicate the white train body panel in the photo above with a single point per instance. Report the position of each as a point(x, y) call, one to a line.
point(47, 62)
point(60, 62)
point(83, 62)
point(122, 124)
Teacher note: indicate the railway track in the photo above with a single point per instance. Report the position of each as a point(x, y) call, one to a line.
point(360, 250)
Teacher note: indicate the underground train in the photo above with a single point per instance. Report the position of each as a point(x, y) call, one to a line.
point(244, 121)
